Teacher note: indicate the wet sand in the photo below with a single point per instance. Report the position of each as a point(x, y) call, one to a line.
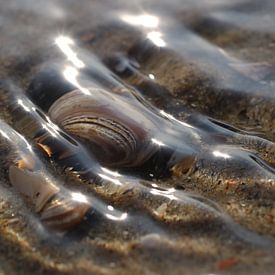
point(162, 236)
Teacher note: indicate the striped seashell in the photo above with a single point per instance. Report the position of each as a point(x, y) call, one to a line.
point(117, 132)
point(63, 212)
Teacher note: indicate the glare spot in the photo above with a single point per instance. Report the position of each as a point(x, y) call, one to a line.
point(79, 197)
point(25, 107)
point(144, 20)
point(49, 130)
point(64, 43)
point(51, 124)
point(71, 73)
point(29, 147)
point(151, 76)
point(158, 142)
point(221, 155)
point(115, 181)
point(4, 135)
point(112, 173)
point(26, 142)
point(165, 193)
point(156, 38)
point(170, 117)
point(110, 207)
point(116, 218)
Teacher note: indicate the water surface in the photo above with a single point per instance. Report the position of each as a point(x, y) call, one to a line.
point(194, 83)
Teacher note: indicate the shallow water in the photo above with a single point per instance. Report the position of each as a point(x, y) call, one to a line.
point(137, 137)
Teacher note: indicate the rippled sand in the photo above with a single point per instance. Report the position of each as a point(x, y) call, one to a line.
point(208, 71)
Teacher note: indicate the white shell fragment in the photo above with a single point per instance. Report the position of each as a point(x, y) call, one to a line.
point(33, 184)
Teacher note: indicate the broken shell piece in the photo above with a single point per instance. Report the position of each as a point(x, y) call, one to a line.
point(27, 162)
point(35, 185)
point(184, 167)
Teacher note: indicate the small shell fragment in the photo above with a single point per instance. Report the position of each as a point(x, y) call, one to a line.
point(33, 184)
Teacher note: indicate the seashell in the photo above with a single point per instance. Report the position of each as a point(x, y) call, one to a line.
point(63, 213)
point(58, 212)
point(116, 131)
